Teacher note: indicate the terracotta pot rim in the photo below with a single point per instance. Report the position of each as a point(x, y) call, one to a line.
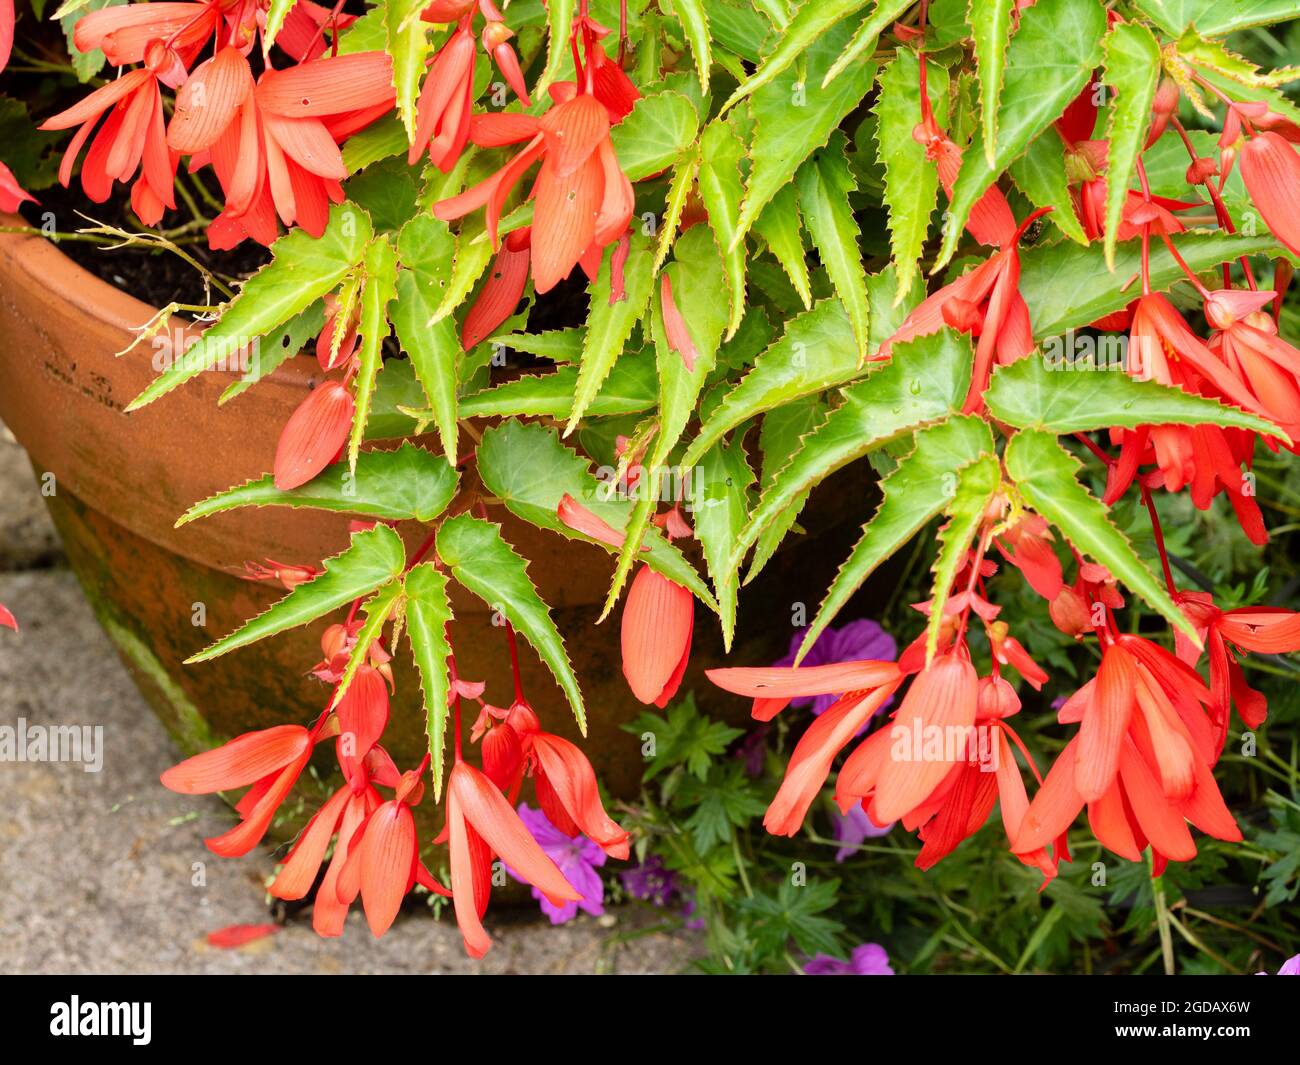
point(96, 298)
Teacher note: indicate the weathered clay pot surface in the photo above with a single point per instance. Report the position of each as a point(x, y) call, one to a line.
point(120, 481)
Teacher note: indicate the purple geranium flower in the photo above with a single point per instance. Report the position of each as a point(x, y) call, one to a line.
point(578, 858)
point(869, 959)
point(858, 640)
point(854, 827)
point(1290, 967)
point(651, 882)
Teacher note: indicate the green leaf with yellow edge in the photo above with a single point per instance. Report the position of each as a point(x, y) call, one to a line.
point(781, 436)
point(407, 484)
point(917, 490)
point(428, 612)
point(863, 41)
point(425, 248)
point(721, 188)
point(1040, 175)
point(1214, 18)
point(990, 26)
point(1132, 72)
point(481, 560)
point(696, 276)
point(1051, 57)
point(374, 558)
point(1068, 286)
point(408, 45)
point(694, 17)
point(375, 612)
point(805, 29)
point(720, 501)
point(630, 387)
point(679, 190)
point(302, 270)
point(380, 290)
point(825, 185)
point(526, 467)
point(1047, 392)
point(911, 180)
point(794, 116)
point(780, 228)
point(925, 380)
point(1044, 474)
point(610, 322)
point(977, 484)
point(654, 135)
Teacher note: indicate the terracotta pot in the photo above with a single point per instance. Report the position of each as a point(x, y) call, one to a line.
point(120, 481)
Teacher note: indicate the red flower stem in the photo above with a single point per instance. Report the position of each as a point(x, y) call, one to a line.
point(1146, 230)
point(421, 551)
point(1220, 210)
point(320, 30)
point(514, 662)
point(1191, 275)
point(1159, 535)
point(1094, 447)
point(622, 31)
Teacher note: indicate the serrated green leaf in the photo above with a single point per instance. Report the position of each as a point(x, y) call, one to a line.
point(1214, 18)
point(794, 116)
point(428, 612)
point(918, 489)
point(527, 468)
point(408, 45)
point(1049, 393)
point(990, 24)
point(1067, 286)
point(721, 188)
point(679, 190)
point(631, 387)
point(380, 140)
point(696, 276)
point(1040, 175)
point(1044, 473)
point(374, 557)
point(720, 503)
point(302, 270)
point(656, 132)
point(558, 345)
point(805, 29)
point(911, 180)
point(277, 347)
point(780, 437)
point(407, 484)
point(481, 560)
point(779, 226)
point(375, 614)
point(1051, 57)
point(559, 22)
point(425, 248)
point(610, 323)
point(924, 380)
point(816, 352)
point(380, 290)
point(977, 483)
point(694, 18)
point(865, 37)
point(1132, 71)
point(825, 184)
point(275, 16)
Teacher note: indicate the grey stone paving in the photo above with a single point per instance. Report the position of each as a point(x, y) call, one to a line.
point(98, 870)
